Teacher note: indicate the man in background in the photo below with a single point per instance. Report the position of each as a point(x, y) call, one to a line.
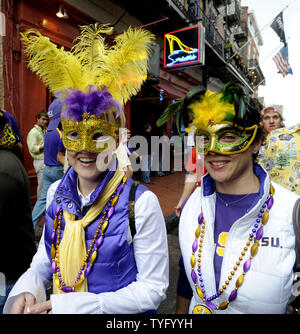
point(35, 143)
point(271, 119)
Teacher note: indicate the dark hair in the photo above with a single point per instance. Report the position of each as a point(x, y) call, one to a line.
point(41, 113)
point(254, 108)
point(146, 126)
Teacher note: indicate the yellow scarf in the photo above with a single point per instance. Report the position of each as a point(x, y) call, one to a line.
point(72, 249)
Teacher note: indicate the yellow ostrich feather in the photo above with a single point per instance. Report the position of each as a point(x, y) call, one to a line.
point(122, 67)
point(126, 63)
point(91, 50)
point(59, 69)
point(211, 110)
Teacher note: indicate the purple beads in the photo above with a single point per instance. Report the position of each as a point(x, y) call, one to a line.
point(120, 188)
point(270, 202)
point(232, 296)
point(67, 289)
point(211, 305)
point(259, 233)
point(247, 265)
point(87, 271)
point(200, 218)
point(194, 276)
point(53, 266)
point(110, 212)
point(195, 245)
point(99, 241)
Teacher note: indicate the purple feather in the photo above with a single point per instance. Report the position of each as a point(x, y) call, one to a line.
point(76, 105)
point(95, 102)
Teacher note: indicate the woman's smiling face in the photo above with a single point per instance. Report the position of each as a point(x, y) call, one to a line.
point(84, 164)
point(228, 168)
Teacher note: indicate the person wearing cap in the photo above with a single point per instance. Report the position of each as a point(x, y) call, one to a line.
point(271, 119)
point(15, 213)
point(54, 169)
point(236, 237)
point(35, 143)
point(104, 243)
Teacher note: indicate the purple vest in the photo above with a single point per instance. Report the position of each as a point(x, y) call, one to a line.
point(115, 265)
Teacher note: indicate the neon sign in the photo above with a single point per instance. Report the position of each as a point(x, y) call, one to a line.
point(184, 47)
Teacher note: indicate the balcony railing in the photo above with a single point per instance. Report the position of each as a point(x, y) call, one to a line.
point(219, 3)
point(240, 32)
point(233, 14)
point(190, 13)
point(212, 35)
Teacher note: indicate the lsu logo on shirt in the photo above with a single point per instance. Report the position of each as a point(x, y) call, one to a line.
point(265, 242)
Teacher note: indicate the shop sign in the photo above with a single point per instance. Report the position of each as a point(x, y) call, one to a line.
point(184, 47)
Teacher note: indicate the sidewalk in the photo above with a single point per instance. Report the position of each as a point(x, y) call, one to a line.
point(168, 189)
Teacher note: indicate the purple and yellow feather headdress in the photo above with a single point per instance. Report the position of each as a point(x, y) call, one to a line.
point(93, 80)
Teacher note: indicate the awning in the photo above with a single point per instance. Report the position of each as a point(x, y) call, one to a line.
point(173, 91)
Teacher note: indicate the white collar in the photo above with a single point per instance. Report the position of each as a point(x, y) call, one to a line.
point(83, 199)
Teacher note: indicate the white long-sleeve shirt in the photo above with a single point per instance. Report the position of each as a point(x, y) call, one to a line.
point(146, 293)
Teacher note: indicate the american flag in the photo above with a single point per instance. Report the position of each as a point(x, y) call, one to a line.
point(281, 60)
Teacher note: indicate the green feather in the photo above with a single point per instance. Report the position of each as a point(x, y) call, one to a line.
point(169, 112)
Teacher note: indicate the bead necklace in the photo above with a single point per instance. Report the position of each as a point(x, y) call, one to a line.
point(85, 269)
point(255, 235)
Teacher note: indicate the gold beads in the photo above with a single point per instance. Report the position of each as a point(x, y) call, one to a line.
point(104, 227)
point(197, 233)
point(115, 201)
point(265, 218)
point(94, 256)
point(254, 249)
point(193, 261)
point(223, 306)
point(272, 190)
point(240, 281)
point(199, 292)
point(53, 251)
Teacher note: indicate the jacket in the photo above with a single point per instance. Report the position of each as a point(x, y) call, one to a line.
point(115, 267)
point(268, 284)
point(36, 139)
point(17, 237)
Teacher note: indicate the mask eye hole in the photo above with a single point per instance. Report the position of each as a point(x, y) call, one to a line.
point(97, 136)
point(202, 138)
point(73, 135)
point(229, 137)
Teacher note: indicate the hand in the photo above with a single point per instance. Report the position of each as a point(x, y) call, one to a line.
point(23, 301)
point(177, 209)
point(39, 308)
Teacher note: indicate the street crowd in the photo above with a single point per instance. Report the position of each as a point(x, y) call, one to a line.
point(104, 243)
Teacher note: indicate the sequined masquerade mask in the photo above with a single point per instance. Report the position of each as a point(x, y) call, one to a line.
point(85, 119)
point(226, 122)
point(91, 134)
point(224, 138)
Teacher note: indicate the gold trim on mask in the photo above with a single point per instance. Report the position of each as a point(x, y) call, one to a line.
point(91, 134)
point(208, 139)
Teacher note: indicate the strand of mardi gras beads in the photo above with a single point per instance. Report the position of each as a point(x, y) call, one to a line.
point(262, 218)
